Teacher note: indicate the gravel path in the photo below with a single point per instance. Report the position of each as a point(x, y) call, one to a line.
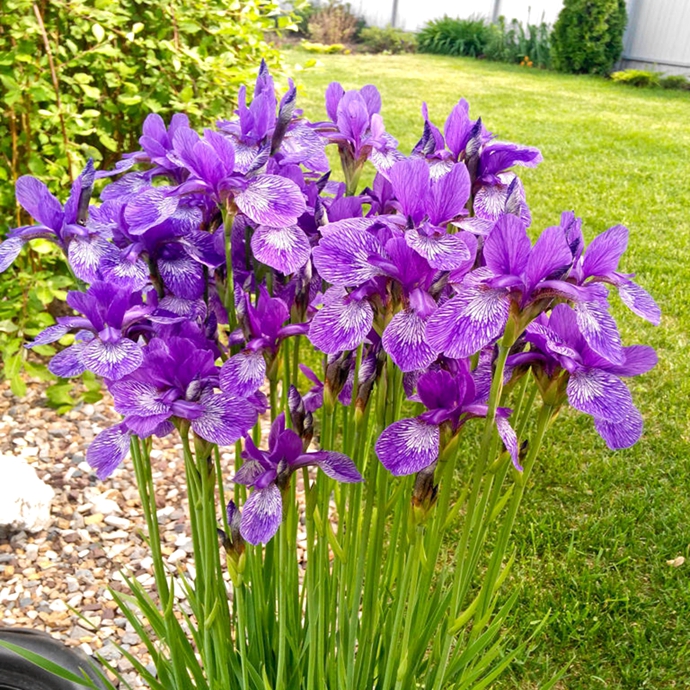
point(96, 529)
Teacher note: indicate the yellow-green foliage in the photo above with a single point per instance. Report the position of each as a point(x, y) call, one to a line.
point(322, 48)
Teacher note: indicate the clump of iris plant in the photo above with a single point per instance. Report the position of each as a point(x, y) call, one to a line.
point(405, 346)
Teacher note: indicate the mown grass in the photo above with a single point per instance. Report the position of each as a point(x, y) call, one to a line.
point(597, 527)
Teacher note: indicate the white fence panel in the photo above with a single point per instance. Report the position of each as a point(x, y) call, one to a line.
point(413, 14)
point(658, 35)
point(532, 11)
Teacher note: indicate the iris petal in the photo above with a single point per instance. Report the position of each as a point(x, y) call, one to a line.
point(408, 446)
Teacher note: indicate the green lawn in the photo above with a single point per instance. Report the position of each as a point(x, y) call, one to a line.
point(598, 527)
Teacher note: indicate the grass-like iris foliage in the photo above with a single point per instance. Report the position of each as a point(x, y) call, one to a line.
point(217, 263)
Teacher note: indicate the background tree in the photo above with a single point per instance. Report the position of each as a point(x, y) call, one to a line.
point(588, 36)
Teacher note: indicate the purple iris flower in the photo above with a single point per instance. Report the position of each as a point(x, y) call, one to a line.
point(176, 380)
point(356, 126)
point(175, 250)
point(286, 136)
point(410, 445)
point(493, 188)
point(67, 227)
point(268, 200)
point(429, 206)
point(498, 157)
point(514, 273)
point(285, 249)
point(156, 144)
point(268, 473)
point(561, 352)
point(244, 372)
point(102, 344)
point(365, 260)
point(492, 201)
point(462, 140)
point(596, 265)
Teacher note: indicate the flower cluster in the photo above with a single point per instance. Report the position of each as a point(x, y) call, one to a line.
point(208, 251)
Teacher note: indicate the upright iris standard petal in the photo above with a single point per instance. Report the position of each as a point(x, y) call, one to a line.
point(458, 128)
point(352, 116)
point(600, 394)
point(449, 195)
point(468, 322)
point(341, 325)
point(405, 341)
point(262, 515)
point(372, 99)
point(38, 202)
point(109, 449)
point(410, 180)
point(408, 446)
point(112, 360)
point(243, 373)
point(334, 94)
point(286, 249)
point(271, 200)
point(604, 252)
point(507, 248)
point(550, 254)
point(225, 418)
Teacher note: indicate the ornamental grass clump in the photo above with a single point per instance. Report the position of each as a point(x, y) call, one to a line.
point(409, 344)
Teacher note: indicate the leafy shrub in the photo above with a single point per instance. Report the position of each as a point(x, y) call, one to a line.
point(302, 13)
point(513, 43)
point(335, 22)
point(636, 77)
point(77, 80)
point(588, 36)
point(25, 299)
point(388, 40)
point(675, 81)
point(448, 36)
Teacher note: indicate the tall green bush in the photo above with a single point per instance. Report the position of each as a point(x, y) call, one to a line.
point(388, 40)
point(447, 36)
point(512, 42)
point(588, 36)
point(77, 79)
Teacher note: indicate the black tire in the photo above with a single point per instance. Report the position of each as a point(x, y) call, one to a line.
point(18, 674)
